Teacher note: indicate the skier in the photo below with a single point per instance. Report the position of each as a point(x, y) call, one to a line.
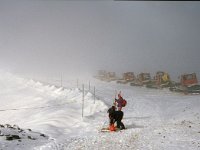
point(119, 102)
point(115, 116)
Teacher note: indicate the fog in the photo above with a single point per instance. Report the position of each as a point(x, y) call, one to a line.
point(49, 38)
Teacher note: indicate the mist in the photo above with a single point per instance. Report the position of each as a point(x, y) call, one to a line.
point(49, 38)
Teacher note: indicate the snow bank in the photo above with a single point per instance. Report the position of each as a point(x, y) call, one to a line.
point(44, 108)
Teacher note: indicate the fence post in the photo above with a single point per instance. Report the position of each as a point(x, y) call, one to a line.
point(89, 85)
point(94, 95)
point(83, 101)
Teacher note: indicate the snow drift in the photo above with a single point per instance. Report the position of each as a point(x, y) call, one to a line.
point(155, 119)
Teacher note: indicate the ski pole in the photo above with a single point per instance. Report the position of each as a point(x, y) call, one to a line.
point(115, 98)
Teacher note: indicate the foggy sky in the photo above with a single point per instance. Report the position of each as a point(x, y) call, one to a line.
point(44, 37)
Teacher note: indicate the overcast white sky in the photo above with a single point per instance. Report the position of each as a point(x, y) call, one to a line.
point(43, 37)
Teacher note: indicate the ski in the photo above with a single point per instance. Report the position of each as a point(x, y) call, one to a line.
point(107, 130)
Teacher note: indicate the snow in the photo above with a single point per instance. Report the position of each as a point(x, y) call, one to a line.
point(46, 116)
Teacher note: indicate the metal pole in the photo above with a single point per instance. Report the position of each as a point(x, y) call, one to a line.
point(83, 101)
point(94, 95)
point(89, 85)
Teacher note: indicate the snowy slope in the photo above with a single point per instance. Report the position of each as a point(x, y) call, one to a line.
point(155, 119)
point(46, 109)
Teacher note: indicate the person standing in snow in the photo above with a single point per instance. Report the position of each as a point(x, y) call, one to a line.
point(115, 116)
point(119, 102)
